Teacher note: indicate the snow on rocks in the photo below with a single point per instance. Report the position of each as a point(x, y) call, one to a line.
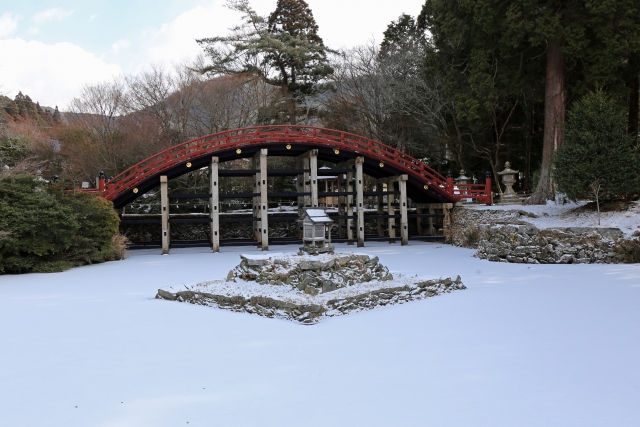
point(307, 288)
point(509, 236)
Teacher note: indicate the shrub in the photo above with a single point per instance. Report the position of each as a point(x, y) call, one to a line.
point(598, 159)
point(45, 229)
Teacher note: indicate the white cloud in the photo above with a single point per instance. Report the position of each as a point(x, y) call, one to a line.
point(50, 74)
point(92, 17)
point(51, 14)
point(176, 40)
point(8, 24)
point(120, 45)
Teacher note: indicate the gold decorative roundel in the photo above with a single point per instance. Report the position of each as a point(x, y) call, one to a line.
point(288, 146)
point(188, 164)
point(336, 151)
point(238, 151)
point(135, 190)
point(426, 186)
point(381, 164)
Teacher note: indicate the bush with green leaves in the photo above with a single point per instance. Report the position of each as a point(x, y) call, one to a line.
point(43, 228)
point(599, 160)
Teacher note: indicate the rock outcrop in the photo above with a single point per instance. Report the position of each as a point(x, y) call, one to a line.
point(319, 287)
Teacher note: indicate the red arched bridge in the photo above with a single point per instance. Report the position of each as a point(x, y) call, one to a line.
point(424, 185)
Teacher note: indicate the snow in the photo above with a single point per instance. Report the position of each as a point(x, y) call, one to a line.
point(569, 215)
point(524, 345)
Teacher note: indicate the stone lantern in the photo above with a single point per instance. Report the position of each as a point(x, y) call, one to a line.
point(462, 182)
point(316, 231)
point(508, 179)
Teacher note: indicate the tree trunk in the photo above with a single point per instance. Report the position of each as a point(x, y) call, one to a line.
point(527, 167)
point(634, 101)
point(554, 111)
point(290, 103)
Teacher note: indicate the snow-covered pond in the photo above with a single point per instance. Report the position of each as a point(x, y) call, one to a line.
point(524, 345)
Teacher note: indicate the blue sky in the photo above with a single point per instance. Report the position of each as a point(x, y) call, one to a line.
point(49, 49)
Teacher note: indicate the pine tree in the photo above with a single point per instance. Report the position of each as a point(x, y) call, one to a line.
point(284, 50)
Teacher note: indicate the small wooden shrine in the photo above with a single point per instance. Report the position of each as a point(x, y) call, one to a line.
point(316, 231)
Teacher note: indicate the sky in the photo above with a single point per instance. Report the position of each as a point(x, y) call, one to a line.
point(50, 49)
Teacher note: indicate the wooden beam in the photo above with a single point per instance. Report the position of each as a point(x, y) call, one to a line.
point(214, 205)
point(164, 202)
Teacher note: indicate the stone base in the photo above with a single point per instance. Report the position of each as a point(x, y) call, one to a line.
point(313, 313)
point(314, 250)
point(509, 199)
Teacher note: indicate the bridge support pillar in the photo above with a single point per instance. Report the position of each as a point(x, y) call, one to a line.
point(349, 207)
point(164, 208)
point(402, 202)
point(359, 200)
point(404, 217)
point(341, 202)
point(432, 228)
point(263, 226)
point(391, 210)
point(214, 206)
point(380, 199)
point(308, 181)
point(313, 178)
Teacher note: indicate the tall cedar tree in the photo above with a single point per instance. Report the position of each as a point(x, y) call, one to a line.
point(598, 159)
point(283, 50)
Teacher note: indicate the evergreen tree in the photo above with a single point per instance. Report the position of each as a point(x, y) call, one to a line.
point(598, 159)
point(284, 50)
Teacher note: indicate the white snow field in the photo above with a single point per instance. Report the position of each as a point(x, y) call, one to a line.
point(524, 345)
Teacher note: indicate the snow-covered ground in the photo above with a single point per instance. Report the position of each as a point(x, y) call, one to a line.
point(571, 215)
point(524, 345)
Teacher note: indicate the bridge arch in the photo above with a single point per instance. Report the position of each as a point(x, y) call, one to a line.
point(424, 184)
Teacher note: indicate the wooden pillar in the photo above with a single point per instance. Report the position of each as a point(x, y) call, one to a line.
point(391, 210)
point(419, 221)
point(306, 188)
point(349, 207)
point(313, 177)
point(380, 210)
point(404, 218)
point(446, 210)
point(432, 231)
point(360, 200)
point(341, 203)
point(256, 208)
point(214, 206)
point(264, 205)
point(300, 185)
point(164, 202)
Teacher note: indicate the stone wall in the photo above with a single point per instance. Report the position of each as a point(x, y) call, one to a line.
point(506, 236)
point(312, 313)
